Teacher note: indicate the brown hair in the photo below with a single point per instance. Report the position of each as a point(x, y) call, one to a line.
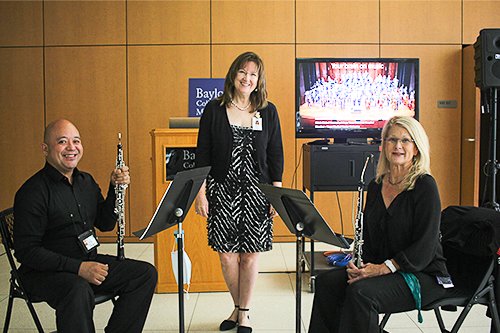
point(258, 97)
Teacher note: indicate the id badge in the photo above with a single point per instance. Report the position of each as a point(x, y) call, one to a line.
point(445, 281)
point(88, 241)
point(257, 123)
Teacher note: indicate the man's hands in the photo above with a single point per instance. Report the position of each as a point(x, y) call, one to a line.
point(120, 176)
point(93, 272)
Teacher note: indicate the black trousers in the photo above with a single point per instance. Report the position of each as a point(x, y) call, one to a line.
point(342, 308)
point(73, 297)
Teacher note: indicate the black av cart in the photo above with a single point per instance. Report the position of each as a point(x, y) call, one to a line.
point(333, 167)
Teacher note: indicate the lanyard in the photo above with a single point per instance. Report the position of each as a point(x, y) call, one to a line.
point(414, 285)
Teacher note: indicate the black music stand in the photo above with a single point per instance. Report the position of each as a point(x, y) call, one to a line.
point(303, 220)
point(171, 211)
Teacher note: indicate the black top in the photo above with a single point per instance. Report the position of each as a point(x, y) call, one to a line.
point(407, 231)
point(50, 213)
point(215, 140)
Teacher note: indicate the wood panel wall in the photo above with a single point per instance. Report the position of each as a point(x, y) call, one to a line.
point(123, 66)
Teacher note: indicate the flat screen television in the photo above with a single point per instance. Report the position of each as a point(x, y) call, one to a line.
point(352, 98)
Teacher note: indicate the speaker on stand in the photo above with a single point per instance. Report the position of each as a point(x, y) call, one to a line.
point(487, 78)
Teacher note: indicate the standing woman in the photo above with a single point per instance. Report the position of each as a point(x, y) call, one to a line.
point(240, 138)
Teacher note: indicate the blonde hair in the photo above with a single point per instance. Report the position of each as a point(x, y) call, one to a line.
point(258, 97)
point(421, 161)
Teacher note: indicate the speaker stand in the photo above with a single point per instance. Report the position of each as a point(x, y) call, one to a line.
point(492, 164)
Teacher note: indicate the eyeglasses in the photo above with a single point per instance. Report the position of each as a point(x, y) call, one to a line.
point(404, 141)
point(242, 72)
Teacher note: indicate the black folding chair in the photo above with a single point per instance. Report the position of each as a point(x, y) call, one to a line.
point(470, 238)
point(463, 297)
point(16, 289)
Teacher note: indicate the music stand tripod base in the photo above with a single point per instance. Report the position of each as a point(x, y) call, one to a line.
point(303, 220)
point(171, 211)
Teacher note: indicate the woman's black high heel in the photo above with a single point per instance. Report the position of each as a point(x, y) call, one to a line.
point(228, 324)
point(244, 329)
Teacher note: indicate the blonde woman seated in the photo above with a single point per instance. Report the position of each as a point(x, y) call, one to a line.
point(403, 265)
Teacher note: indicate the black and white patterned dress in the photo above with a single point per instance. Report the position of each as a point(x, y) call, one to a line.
point(238, 219)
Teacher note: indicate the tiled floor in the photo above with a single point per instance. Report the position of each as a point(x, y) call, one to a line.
point(273, 309)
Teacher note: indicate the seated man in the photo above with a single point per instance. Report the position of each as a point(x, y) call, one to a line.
point(55, 213)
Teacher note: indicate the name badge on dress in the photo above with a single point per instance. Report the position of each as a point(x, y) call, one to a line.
point(88, 241)
point(257, 122)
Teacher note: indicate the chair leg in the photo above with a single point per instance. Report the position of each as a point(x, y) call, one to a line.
point(439, 318)
point(383, 322)
point(495, 321)
point(8, 314)
point(35, 316)
point(461, 318)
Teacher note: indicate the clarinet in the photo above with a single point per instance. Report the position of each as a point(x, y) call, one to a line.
point(358, 229)
point(120, 203)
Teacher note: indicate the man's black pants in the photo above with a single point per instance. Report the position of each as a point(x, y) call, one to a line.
point(73, 297)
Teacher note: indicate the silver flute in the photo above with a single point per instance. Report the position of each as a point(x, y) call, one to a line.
point(358, 226)
point(120, 203)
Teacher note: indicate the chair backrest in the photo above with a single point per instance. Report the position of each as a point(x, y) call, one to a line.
point(7, 218)
point(16, 288)
point(6, 231)
point(471, 230)
point(470, 238)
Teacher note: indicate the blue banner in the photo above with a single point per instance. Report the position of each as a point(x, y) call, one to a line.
point(178, 159)
point(201, 91)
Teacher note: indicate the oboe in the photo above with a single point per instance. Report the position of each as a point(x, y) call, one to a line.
point(358, 227)
point(120, 203)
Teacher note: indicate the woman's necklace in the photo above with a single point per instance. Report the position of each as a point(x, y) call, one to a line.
point(241, 108)
point(394, 183)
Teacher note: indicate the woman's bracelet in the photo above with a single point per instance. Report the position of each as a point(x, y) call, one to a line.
point(390, 265)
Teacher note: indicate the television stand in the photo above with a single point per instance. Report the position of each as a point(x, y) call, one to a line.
point(324, 141)
point(347, 162)
point(357, 141)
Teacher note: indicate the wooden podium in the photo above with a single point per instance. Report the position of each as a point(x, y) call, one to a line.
point(206, 272)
